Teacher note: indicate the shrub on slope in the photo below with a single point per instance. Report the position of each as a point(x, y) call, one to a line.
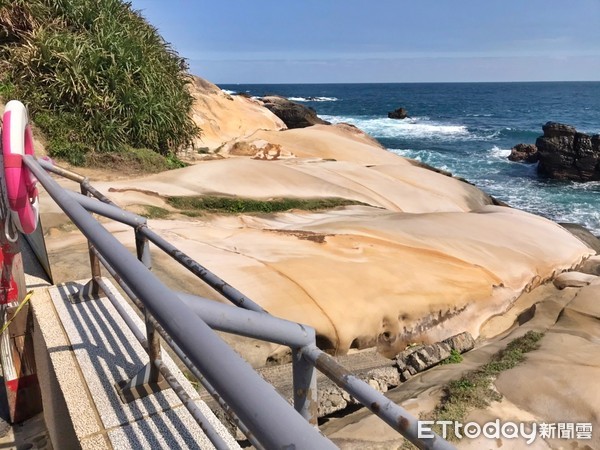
point(96, 76)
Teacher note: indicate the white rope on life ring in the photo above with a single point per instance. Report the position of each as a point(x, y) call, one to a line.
point(8, 225)
point(17, 140)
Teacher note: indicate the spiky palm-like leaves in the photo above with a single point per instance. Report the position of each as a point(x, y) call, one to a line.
point(96, 76)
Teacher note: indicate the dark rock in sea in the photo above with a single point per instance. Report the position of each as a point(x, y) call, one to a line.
point(565, 154)
point(555, 129)
point(527, 153)
point(293, 114)
point(399, 113)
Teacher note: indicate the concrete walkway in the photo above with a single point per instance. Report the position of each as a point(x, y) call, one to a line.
point(82, 351)
point(88, 354)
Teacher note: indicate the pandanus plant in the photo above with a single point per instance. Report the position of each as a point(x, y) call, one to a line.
point(96, 77)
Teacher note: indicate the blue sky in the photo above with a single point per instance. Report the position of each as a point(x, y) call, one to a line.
point(327, 41)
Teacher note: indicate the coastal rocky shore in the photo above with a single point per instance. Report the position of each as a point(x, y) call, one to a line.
point(566, 154)
point(402, 254)
point(293, 114)
point(562, 153)
point(419, 256)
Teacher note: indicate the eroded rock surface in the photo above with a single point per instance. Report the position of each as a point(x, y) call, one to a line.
point(574, 279)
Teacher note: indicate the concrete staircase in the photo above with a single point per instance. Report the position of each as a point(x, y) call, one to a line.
point(82, 350)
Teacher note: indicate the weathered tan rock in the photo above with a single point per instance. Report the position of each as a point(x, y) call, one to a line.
point(425, 257)
point(573, 279)
point(591, 266)
point(223, 117)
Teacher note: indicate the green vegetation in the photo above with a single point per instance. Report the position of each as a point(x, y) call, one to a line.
point(134, 161)
point(198, 206)
point(97, 78)
point(191, 378)
point(236, 205)
point(474, 390)
point(155, 212)
point(454, 358)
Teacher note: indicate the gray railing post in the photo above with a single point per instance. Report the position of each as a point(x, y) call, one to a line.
point(149, 379)
point(305, 387)
point(94, 263)
point(142, 246)
point(91, 289)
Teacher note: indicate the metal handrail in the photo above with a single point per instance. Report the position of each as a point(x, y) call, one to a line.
point(186, 323)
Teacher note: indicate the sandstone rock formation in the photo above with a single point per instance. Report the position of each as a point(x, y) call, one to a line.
point(565, 154)
point(399, 113)
point(527, 153)
point(294, 115)
point(223, 117)
point(574, 279)
point(553, 384)
point(426, 256)
point(591, 266)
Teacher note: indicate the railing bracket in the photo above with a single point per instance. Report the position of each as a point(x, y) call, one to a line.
point(139, 386)
point(89, 291)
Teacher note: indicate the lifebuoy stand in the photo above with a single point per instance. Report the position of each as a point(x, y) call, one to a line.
point(16, 343)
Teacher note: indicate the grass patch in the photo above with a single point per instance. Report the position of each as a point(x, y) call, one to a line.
point(155, 212)
point(474, 390)
point(191, 378)
point(132, 161)
point(237, 205)
point(454, 358)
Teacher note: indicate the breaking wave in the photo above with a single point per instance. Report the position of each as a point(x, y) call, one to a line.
point(313, 99)
point(415, 127)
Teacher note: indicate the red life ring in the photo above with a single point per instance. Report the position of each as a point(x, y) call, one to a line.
point(21, 190)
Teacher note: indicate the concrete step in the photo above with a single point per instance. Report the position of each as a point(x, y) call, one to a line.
point(82, 351)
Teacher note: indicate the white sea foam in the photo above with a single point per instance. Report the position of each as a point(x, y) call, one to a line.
point(313, 99)
point(427, 156)
point(498, 152)
point(415, 127)
point(407, 153)
point(493, 135)
point(227, 91)
point(589, 186)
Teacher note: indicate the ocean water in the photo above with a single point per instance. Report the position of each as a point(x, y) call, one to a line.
point(469, 129)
